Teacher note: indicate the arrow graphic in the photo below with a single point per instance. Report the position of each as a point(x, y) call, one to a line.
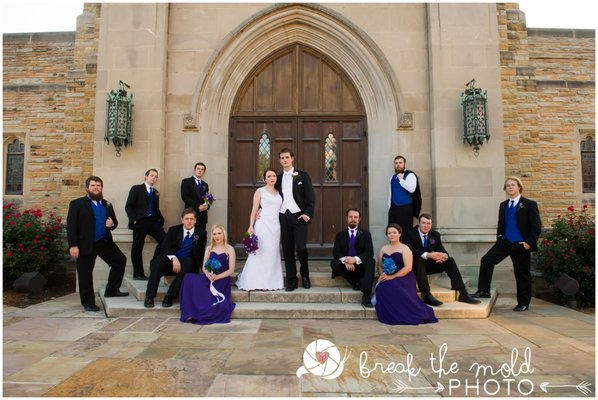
point(400, 387)
point(583, 387)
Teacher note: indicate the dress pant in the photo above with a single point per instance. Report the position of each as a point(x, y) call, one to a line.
point(521, 266)
point(161, 266)
point(293, 234)
point(402, 215)
point(423, 268)
point(111, 254)
point(143, 227)
point(364, 273)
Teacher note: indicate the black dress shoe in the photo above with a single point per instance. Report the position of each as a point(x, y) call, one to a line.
point(118, 293)
point(334, 275)
point(366, 301)
point(521, 308)
point(306, 282)
point(481, 294)
point(467, 298)
point(93, 307)
point(140, 278)
point(357, 286)
point(432, 301)
point(167, 302)
point(149, 302)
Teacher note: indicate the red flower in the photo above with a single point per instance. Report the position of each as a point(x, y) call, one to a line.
point(545, 242)
point(571, 208)
point(590, 231)
point(48, 230)
point(46, 239)
point(27, 225)
point(9, 254)
point(11, 223)
point(21, 245)
point(41, 247)
point(59, 220)
point(34, 241)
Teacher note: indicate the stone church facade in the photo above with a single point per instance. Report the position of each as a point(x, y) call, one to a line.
point(346, 86)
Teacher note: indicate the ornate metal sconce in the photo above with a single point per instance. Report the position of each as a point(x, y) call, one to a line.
point(475, 116)
point(119, 118)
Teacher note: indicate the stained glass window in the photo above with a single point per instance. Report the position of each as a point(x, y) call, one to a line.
point(588, 167)
point(15, 160)
point(330, 158)
point(263, 161)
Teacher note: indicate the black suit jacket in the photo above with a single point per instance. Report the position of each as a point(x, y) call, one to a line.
point(174, 238)
point(192, 196)
point(136, 206)
point(80, 224)
point(303, 191)
point(412, 239)
point(363, 245)
point(528, 221)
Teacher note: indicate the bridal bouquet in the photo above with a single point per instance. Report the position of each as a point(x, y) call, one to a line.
point(212, 265)
point(250, 242)
point(208, 199)
point(389, 266)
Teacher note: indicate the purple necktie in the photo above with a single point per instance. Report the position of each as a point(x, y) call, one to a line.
point(352, 250)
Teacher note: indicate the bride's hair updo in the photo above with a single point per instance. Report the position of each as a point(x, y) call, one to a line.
point(266, 171)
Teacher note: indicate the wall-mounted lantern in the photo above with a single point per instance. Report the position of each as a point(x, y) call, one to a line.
point(475, 116)
point(119, 118)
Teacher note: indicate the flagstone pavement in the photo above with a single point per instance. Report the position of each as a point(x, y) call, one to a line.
point(57, 349)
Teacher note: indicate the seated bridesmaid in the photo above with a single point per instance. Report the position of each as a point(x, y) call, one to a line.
point(206, 297)
point(397, 302)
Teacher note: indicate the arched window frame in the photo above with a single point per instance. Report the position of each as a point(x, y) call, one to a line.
point(8, 141)
point(588, 167)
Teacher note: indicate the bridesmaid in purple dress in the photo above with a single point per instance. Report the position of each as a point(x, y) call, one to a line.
point(397, 302)
point(206, 297)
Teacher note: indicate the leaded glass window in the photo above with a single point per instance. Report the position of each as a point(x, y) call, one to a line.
point(15, 160)
point(330, 158)
point(588, 167)
point(263, 161)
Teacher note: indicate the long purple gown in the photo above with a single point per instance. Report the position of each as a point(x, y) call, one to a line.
point(197, 302)
point(397, 302)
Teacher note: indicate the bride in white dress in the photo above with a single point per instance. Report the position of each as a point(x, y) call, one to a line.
point(263, 270)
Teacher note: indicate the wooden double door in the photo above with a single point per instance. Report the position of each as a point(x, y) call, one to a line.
point(298, 99)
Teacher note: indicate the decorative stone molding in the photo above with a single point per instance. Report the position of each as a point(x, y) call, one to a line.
point(189, 122)
point(406, 123)
point(282, 25)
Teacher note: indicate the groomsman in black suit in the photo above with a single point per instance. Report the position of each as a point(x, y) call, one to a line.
point(430, 257)
point(296, 212)
point(193, 190)
point(182, 252)
point(88, 224)
point(519, 226)
point(353, 256)
point(143, 210)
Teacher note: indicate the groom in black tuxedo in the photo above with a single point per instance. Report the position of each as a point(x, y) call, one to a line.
point(430, 257)
point(353, 257)
point(296, 212)
point(519, 227)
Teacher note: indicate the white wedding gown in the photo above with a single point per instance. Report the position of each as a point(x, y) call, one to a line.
point(263, 270)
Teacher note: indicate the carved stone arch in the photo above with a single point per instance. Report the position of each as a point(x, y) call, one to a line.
point(279, 26)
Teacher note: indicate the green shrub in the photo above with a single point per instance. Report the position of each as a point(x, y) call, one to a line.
point(31, 242)
point(570, 248)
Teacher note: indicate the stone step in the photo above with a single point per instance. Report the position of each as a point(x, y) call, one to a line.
point(324, 290)
point(131, 307)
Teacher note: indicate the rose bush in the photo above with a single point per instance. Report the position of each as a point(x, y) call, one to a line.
point(31, 241)
point(570, 248)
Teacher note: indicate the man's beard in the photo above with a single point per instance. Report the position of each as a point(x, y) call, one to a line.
point(96, 197)
point(352, 225)
point(399, 170)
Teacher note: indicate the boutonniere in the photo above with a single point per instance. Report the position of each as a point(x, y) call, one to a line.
point(195, 238)
point(432, 242)
point(295, 175)
point(108, 203)
point(520, 205)
point(156, 193)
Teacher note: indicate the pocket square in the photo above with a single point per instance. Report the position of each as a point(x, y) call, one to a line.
point(300, 183)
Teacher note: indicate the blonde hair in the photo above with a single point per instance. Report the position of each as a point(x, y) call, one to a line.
point(513, 178)
point(224, 236)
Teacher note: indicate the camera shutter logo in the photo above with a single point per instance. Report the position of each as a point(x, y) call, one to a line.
point(322, 358)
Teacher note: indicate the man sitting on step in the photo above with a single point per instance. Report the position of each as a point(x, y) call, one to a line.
point(353, 254)
point(181, 252)
point(430, 257)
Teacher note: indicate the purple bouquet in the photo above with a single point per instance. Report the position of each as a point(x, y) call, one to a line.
point(208, 199)
point(250, 243)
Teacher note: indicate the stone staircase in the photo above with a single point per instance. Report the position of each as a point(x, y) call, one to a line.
point(328, 298)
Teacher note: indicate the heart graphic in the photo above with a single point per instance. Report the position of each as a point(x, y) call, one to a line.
point(322, 356)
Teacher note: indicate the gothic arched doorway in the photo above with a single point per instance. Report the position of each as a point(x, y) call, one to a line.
point(300, 99)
